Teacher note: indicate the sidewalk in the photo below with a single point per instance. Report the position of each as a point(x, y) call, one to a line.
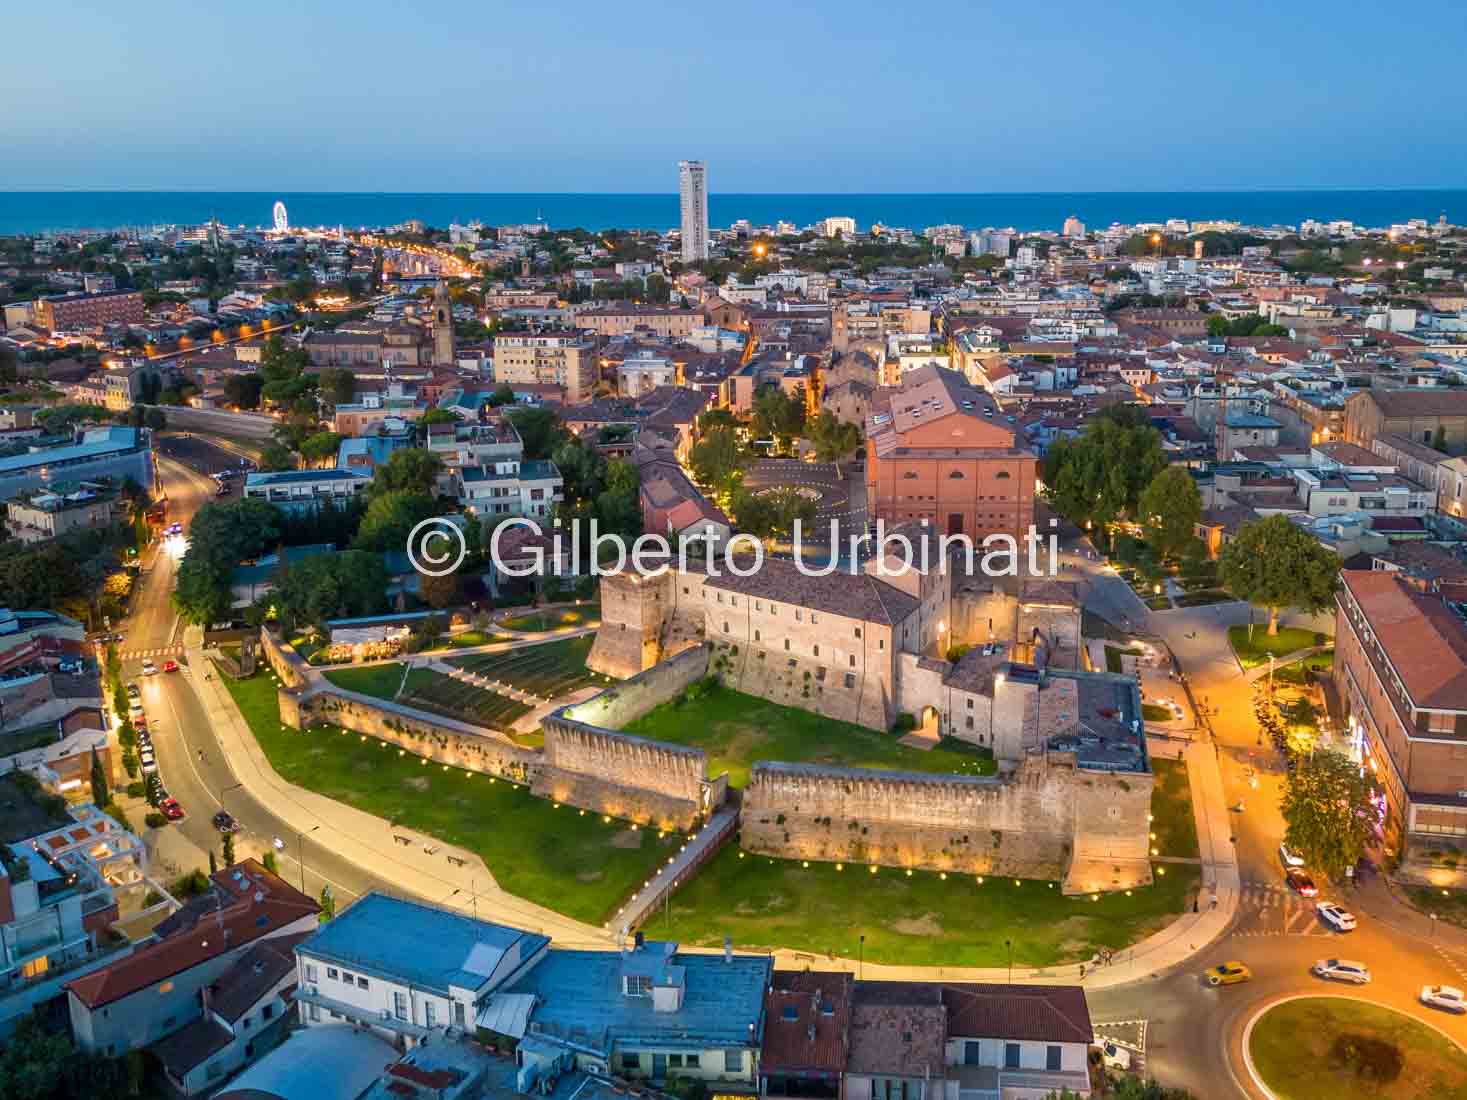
point(368, 841)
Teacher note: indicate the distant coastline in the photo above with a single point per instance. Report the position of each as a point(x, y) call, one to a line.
point(41, 211)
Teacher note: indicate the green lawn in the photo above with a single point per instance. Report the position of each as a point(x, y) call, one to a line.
point(919, 920)
point(468, 638)
point(584, 615)
point(735, 730)
point(548, 670)
point(1204, 598)
point(440, 694)
point(1294, 673)
point(1155, 712)
point(1172, 819)
point(1159, 603)
point(379, 681)
point(568, 861)
point(1349, 1049)
point(1289, 639)
point(1113, 655)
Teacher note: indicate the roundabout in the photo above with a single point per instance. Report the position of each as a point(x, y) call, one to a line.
point(1309, 1045)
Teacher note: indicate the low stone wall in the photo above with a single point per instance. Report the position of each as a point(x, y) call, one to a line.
point(1030, 826)
point(286, 662)
point(439, 739)
point(629, 700)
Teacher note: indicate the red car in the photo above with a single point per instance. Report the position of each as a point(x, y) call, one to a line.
point(140, 722)
point(171, 809)
point(170, 666)
point(1301, 883)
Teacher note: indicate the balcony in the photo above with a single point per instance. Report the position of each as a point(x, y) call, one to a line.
point(309, 994)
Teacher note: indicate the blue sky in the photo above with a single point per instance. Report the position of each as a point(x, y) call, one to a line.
point(381, 95)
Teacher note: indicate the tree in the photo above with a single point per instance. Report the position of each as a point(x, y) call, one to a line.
point(1170, 509)
point(539, 429)
point(771, 514)
point(440, 591)
point(338, 385)
point(220, 537)
point(101, 796)
point(321, 587)
point(1328, 816)
point(778, 416)
point(1098, 477)
point(619, 505)
point(276, 457)
point(833, 439)
point(582, 468)
point(243, 390)
point(270, 863)
point(328, 904)
point(718, 461)
point(321, 448)
point(502, 395)
point(228, 849)
point(36, 1064)
point(157, 420)
point(391, 516)
point(1277, 565)
point(213, 863)
point(408, 469)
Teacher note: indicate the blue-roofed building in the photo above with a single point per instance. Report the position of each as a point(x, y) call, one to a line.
point(649, 1012)
point(375, 446)
point(118, 453)
point(406, 969)
point(298, 490)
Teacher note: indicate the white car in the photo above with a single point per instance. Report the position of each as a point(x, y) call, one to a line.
point(149, 668)
point(1445, 997)
point(1335, 916)
point(1113, 1055)
point(146, 759)
point(1341, 970)
point(1290, 857)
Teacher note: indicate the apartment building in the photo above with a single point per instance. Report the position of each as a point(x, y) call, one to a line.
point(115, 453)
point(1401, 672)
point(623, 319)
point(60, 868)
point(487, 470)
point(1417, 413)
point(565, 359)
point(299, 490)
point(938, 450)
point(73, 312)
point(43, 514)
point(159, 989)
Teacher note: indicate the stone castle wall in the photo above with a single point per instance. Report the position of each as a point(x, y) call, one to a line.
point(286, 663)
point(590, 765)
point(627, 642)
point(1030, 826)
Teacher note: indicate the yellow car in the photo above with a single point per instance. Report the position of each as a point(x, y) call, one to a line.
point(1229, 973)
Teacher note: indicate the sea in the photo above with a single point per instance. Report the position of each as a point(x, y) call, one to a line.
point(29, 212)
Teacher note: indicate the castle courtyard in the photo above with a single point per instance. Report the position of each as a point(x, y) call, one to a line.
point(736, 730)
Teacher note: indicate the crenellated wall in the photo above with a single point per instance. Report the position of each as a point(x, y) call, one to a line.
point(1030, 826)
point(286, 662)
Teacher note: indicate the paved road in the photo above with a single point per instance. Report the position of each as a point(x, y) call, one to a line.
point(1194, 1032)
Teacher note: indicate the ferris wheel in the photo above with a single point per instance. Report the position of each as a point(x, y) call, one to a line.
point(282, 220)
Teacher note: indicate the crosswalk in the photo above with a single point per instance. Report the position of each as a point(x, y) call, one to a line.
point(1270, 910)
point(1457, 962)
point(160, 651)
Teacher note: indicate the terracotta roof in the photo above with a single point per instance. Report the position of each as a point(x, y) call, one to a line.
point(191, 1045)
point(1425, 642)
point(898, 1029)
point(806, 1020)
point(225, 919)
point(1417, 401)
point(256, 972)
point(860, 597)
point(1036, 1013)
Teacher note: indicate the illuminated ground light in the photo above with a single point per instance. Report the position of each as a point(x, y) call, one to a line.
point(873, 868)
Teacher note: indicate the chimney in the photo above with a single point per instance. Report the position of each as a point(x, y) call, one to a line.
point(728, 949)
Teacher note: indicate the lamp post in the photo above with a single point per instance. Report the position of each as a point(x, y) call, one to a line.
point(861, 958)
point(300, 853)
point(1010, 945)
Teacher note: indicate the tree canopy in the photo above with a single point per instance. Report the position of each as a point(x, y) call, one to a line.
point(1098, 477)
point(778, 416)
point(1169, 509)
point(220, 537)
point(1277, 565)
point(772, 514)
point(328, 586)
point(1328, 818)
point(718, 461)
point(391, 515)
point(408, 469)
point(834, 440)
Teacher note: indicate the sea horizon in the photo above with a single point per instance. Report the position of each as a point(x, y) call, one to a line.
point(31, 211)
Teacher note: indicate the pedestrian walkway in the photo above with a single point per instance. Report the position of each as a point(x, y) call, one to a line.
point(1260, 672)
point(699, 849)
point(157, 651)
point(1267, 909)
point(425, 867)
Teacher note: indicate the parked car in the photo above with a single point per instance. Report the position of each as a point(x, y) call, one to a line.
point(149, 668)
point(170, 666)
point(133, 691)
point(1301, 883)
point(1445, 997)
point(171, 809)
point(1341, 970)
point(1228, 973)
point(225, 823)
point(146, 759)
point(1290, 857)
point(1335, 916)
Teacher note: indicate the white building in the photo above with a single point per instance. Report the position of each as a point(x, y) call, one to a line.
point(692, 186)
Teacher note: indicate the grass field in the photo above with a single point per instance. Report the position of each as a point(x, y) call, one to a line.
point(918, 920)
point(1155, 712)
point(549, 670)
point(379, 681)
point(467, 638)
point(1113, 655)
point(574, 863)
point(1348, 1049)
point(735, 730)
point(1172, 818)
point(584, 615)
point(1450, 906)
point(440, 694)
point(1294, 673)
point(1254, 652)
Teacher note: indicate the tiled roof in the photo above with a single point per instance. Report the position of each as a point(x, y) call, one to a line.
point(235, 992)
point(1418, 401)
point(860, 597)
point(223, 920)
point(1034, 1013)
point(1424, 641)
point(806, 1019)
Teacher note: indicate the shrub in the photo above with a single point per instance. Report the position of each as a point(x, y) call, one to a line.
point(1369, 1057)
point(190, 885)
point(155, 821)
point(136, 790)
point(905, 723)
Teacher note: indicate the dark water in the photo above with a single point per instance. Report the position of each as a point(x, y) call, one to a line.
point(36, 211)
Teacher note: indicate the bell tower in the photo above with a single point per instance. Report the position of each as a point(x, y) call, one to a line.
point(442, 326)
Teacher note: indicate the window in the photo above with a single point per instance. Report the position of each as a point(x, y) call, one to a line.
point(814, 618)
point(970, 704)
point(733, 1061)
point(1011, 1056)
point(313, 1012)
point(331, 973)
point(675, 1060)
point(638, 985)
point(970, 721)
point(430, 1014)
point(691, 1061)
point(956, 475)
point(268, 1012)
point(458, 1014)
point(972, 1054)
point(786, 645)
point(361, 983)
point(850, 679)
point(310, 972)
point(758, 605)
point(858, 631)
point(631, 1060)
point(799, 615)
point(853, 660)
point(399, 1004)
point(1002, 475)
point(817, 651)
point(725, 626)
point(348, 977)
point(756, 635)
point(1052, 1058)
point(166, 987)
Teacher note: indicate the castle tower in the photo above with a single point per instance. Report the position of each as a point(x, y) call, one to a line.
point(442, 327)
